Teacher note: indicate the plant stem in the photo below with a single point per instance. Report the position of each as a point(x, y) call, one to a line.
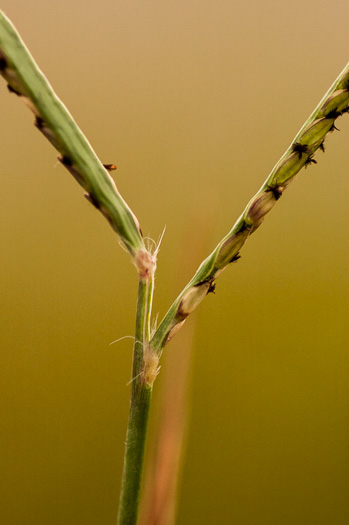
point(141, 391)
point(25, 80)
point(299, 154)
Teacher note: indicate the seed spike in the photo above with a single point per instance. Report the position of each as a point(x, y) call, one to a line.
point(299, 154)
point(25, 79)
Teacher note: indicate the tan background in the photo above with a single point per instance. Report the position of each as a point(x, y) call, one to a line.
point(194, 101)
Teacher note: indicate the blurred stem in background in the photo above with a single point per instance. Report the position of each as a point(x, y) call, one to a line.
point(168, 442)
point(25, 80)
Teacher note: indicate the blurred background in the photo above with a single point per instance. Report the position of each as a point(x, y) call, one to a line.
point(194, 101)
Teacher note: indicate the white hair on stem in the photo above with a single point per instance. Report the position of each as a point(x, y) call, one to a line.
point(121, 338)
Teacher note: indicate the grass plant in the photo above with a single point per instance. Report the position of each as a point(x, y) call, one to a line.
point(54, 121)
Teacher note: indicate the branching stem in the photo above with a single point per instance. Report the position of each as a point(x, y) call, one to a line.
point(25, 80)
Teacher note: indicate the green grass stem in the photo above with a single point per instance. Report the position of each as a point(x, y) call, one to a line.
point(138, 417)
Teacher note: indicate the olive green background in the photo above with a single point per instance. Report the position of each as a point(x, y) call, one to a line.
point(194, 101)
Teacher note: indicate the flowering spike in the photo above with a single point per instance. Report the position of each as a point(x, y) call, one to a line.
point(52, 118)
point(299, 154)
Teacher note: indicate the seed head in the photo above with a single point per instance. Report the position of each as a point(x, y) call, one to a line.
point(335, 104)
point(231, 247)
point(259, 207)
point(193, 297)
point(315, 133)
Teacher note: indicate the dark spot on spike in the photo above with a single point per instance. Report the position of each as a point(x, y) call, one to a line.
point(3, 63)
point(310, 161)
point(322, 147)
point(275, 191)
point(333, 127)
point(39, 123)
point(65, 161)
point(235, 258)
point(299, 148)
point(13, 90)
point(110, 167)
point(212, 287)
point(333, 114)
